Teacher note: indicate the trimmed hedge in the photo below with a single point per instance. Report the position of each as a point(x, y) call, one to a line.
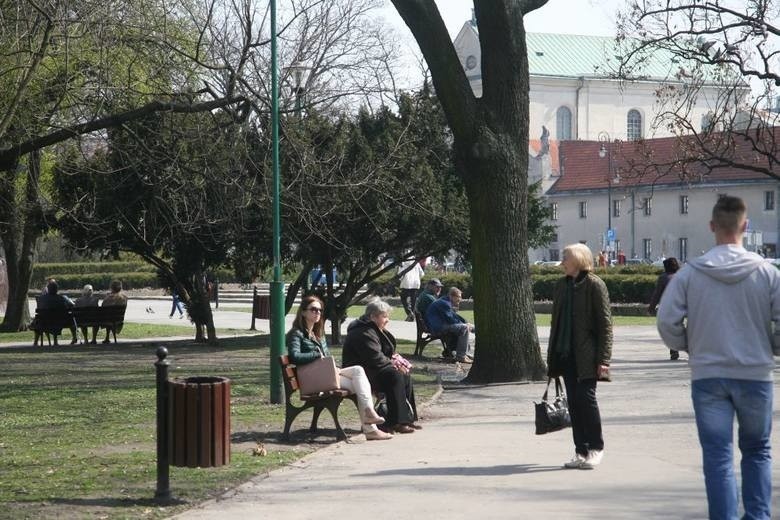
point(102, 281)
point(134, 275)
point(629, 284)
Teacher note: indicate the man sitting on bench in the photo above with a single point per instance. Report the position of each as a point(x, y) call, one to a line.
point(442, 320)
point(50, 300)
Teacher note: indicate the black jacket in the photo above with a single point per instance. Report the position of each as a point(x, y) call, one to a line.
point(368, 347)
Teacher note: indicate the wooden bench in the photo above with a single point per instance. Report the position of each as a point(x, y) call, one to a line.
point(424, 336)
point(50, 322)
point(111, 318)
point(330, 401)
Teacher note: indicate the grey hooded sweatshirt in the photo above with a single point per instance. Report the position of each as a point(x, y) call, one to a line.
point(723, 308)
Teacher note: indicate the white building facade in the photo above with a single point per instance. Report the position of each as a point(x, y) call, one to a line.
point(573, 95)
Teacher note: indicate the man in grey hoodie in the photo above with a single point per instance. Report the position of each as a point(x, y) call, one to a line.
point(723, 308)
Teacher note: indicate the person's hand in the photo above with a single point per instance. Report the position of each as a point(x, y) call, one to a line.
point(603, 371)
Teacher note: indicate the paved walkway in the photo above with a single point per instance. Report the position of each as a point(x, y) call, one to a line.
point(478, 458)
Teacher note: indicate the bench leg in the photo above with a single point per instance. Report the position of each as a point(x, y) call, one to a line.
point(290, 413)
point(333, 408)
point(315, 417)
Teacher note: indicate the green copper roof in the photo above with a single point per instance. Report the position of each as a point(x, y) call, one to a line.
point(575, 55)
point(572, 55)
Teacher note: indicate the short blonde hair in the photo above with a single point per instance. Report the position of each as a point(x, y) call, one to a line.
point(581, 255)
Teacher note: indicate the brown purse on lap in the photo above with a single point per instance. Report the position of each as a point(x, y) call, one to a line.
point(318, 376)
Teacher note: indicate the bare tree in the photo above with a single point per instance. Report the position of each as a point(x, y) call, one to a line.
point(733, 45)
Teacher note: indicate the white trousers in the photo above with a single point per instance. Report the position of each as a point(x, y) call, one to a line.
point(354, 379)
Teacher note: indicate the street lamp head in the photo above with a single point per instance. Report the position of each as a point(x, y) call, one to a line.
point(300, 73)
point(602, 150)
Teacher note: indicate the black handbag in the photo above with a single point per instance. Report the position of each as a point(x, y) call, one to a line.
point(552, 416)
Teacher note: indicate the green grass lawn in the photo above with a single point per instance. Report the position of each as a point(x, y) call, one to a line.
point(77, 427)
point(129, 331)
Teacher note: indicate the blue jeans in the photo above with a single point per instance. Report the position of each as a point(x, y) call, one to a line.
point(715, 402)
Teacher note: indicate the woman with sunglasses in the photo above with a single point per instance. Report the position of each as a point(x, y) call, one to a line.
point(306, 342)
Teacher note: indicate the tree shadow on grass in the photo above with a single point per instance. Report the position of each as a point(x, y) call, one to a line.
point(322, 437)
point(117, 502)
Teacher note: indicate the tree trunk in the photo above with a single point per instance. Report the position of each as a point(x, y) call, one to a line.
point(491, 143)
point(507, 345)
point(17, 312)
point(23, 226)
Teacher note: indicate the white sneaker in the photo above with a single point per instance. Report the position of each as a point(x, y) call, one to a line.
point(575, 462)
point(593, 459)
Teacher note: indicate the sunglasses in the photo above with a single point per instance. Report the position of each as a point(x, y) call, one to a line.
point(315, 310)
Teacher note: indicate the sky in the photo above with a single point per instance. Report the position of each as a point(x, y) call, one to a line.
point(586, 17)
point(590, 17)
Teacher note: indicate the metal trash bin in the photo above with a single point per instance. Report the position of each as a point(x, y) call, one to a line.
point(199, 421)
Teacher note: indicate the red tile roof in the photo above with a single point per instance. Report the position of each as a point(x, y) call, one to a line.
point(664, 161)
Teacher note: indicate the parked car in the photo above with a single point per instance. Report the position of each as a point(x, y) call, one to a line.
point(637, 261)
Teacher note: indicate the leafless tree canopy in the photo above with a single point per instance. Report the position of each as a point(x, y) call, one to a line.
point(729, 44)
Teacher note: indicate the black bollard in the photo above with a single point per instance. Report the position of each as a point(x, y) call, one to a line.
point(163, 493)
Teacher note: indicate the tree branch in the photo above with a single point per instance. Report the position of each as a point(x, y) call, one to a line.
point(9, 155)
point(452, 87)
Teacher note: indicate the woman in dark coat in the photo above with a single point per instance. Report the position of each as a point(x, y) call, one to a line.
point(580, 349)
point(370, 345)
point(671, 266)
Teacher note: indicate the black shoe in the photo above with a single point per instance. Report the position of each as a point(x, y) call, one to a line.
point(674, 355)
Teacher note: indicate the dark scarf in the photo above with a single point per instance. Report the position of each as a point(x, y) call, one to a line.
point(563, 343)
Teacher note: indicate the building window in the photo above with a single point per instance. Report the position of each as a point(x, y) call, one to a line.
point(769, 201)
point(634, 125)
point(554, 237)
point(683, 204)
point(617, 245)
point(583, 209)
point(647, 247)
point(554, 255)
point(615, 208)
point(647, 206)
point(683, 254)
point(553, 211)
point(563, 124)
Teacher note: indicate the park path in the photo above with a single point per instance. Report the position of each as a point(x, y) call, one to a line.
point(478, 457)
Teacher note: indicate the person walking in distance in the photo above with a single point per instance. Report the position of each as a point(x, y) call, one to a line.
point(410, 284)
point(671, 266)
point(723, 308)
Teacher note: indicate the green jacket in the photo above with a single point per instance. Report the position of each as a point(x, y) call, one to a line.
point(302, 349)
point(591, 327)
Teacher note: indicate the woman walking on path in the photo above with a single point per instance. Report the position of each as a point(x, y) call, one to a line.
point(580, 349)
point(306, 342)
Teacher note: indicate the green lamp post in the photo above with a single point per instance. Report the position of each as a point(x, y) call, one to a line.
point(277, 285)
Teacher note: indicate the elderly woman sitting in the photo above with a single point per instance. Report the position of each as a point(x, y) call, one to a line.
point(370, 345)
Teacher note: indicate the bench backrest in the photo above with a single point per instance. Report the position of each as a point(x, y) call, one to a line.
point(53, 319)
point(94, 316)
point(420, 321)
point(289, 375)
